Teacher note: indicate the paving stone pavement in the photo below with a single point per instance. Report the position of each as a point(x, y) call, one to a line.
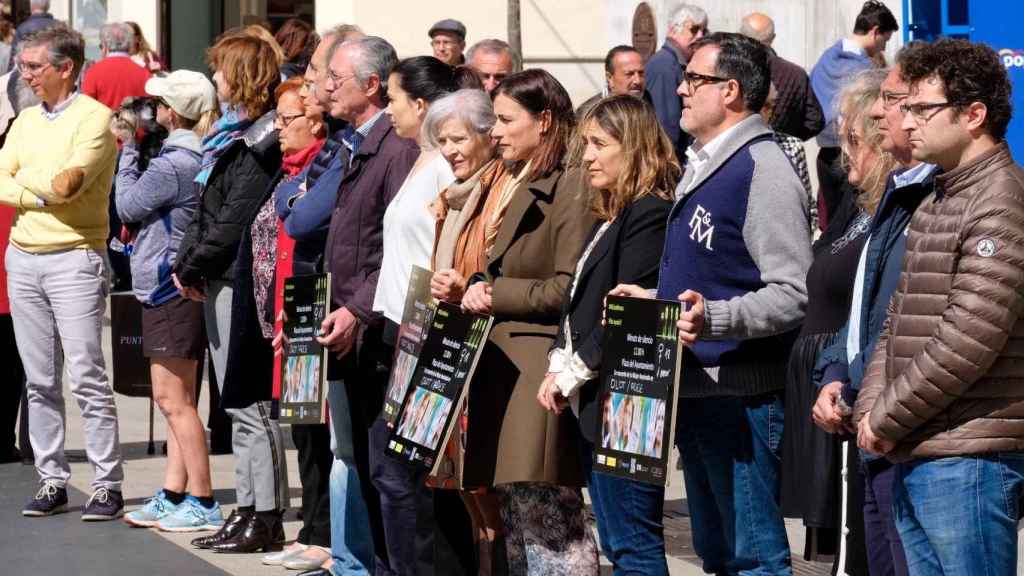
point(114, 548)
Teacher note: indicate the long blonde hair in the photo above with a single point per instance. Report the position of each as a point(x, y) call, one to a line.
point(649, 164)
point(855, 100)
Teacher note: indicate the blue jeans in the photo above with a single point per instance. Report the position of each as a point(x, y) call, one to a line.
point(731, 449)
point(629, 524)
point(958, 515)
point(351, 537)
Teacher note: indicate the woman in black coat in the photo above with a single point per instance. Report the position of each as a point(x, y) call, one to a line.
point(241, 155)
point(633, 170)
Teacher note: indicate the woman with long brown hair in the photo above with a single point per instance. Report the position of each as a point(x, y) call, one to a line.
point(533, 238)
point(632, 170)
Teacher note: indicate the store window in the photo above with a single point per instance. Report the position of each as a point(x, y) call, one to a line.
point(88, 17)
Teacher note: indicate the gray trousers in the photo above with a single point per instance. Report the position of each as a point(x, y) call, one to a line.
point(261, 474)
point(57, 304)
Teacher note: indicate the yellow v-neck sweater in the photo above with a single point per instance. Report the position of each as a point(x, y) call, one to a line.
point(66, 162)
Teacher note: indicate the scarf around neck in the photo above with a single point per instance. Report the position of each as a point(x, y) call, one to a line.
point(228, 128)
point(293, 164)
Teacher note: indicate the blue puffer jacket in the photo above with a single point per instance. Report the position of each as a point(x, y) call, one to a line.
point(162, 201)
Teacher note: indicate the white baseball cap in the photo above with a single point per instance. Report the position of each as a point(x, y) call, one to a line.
point(188, 93)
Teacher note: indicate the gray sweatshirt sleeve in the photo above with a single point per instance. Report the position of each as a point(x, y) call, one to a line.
point(777, 236)
point(139, 194)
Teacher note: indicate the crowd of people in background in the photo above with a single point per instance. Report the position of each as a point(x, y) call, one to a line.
point(852, 345)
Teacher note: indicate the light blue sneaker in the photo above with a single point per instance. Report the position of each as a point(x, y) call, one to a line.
point(151, 512)
point(190, 516)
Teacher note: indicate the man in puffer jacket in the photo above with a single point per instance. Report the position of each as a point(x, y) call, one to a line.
point(943, 393)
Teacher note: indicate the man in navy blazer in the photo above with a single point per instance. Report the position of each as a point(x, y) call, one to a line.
point(664, 72)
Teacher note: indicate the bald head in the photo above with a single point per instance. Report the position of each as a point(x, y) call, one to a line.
point(759, 27)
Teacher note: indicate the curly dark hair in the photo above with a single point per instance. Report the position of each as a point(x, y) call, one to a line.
point(970, 72)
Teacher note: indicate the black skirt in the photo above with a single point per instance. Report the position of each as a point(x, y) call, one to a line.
point(809, 481)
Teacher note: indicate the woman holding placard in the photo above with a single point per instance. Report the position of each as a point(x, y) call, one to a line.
point(632, 168)
point(531, 456)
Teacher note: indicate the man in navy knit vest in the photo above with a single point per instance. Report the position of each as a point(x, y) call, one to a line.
point(737, 253)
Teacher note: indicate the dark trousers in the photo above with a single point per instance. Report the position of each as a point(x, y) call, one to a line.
point(427, 531)
point(885, 549)
point(313, 444)
point(13, 378)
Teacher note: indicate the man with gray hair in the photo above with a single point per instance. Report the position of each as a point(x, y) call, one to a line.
point(492, 60)
point(796, 110)
point(116, 76)
point(664, 72)
point(376, 161)
point(39, 19)
point(56, 167)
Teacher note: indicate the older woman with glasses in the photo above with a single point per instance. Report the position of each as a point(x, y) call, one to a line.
point(811, 459)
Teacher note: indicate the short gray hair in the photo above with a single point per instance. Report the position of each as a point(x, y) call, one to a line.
point(372, 56)
point(694, 14)
point(62, 45)
point(490, 46)
point(117, 37)
point(341, 32)
point(470, 106)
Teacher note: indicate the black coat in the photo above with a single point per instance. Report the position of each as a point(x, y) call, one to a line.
point(233, 195)
point(629, 252)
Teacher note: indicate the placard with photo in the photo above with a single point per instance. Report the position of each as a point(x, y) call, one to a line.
point(439, 386)
point(638, 389)
point(419, 311)
point(307, 301)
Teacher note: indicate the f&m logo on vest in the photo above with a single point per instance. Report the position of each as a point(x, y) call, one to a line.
point(701, 228)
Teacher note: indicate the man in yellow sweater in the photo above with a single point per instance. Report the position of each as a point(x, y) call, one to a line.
point(56, 167)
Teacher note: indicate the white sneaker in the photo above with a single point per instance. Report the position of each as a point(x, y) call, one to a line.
point(309, 559)
point(276, 558)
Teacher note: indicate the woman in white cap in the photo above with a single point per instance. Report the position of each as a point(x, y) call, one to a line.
point(158, 204)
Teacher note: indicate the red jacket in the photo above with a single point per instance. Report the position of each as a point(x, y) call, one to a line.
point(7, 214)
point(113, 79)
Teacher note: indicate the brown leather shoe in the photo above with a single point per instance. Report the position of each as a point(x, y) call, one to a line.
point(258, 536)
point(232, 527)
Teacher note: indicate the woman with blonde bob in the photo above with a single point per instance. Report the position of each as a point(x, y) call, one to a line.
point(811, 457)
point(632, 171)
point(241, 155)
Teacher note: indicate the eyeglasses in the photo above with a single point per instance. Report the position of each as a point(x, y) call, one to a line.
point(338, 79)
point(32, 68)
point(693, 80)
point(283, 120)
point(890, 99)
point(917, 111)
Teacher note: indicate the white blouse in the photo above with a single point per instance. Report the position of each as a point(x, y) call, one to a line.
point(409, 232)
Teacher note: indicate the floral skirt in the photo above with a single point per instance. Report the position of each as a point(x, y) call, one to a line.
point(547, 530)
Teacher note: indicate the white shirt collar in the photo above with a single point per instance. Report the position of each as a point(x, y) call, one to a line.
point(914, 175)
point(851, 46)
point(52, 114)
